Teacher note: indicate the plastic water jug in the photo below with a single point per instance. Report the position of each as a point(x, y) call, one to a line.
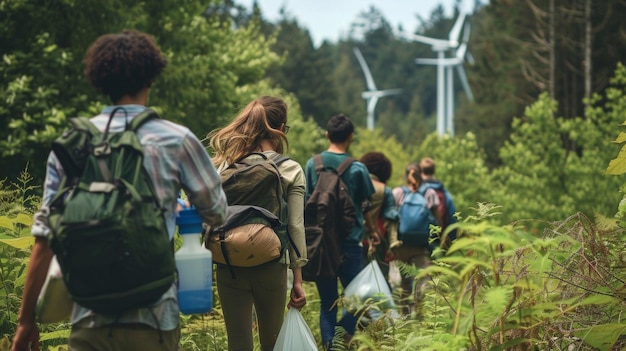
point(194, 264)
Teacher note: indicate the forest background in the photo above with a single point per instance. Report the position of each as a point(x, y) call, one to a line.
point(539, 156)
point(547, 79)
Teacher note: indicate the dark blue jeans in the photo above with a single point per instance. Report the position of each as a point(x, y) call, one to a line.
point(328, 291)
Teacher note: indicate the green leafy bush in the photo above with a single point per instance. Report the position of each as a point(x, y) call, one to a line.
point(503, 288)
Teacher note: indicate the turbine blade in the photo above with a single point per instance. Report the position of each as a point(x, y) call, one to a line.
point(466, 32)
point(425, 61)
point(463, 77)
point(469, 58)
point(453, 37)
point(390, 92)
point(438, 43)
point(369, 80)
point(460, 52)
point(443, 62)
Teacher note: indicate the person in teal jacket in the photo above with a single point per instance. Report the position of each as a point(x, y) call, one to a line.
point(339, 131)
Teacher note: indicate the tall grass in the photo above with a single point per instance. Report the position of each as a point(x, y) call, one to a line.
point(496, 288)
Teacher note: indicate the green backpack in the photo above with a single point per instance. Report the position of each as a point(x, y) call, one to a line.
point(108, 229)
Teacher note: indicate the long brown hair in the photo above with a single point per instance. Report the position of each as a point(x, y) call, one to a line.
point(413, 176)
point(262, 118)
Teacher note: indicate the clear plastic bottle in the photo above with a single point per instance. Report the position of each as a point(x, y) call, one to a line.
point(194, 264)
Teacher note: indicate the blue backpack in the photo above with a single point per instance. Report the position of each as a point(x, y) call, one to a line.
point(446, 204)
point(415, 219)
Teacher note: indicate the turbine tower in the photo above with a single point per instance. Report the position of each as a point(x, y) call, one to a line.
point(372, 94)
point(461, 55)
point(440, 46)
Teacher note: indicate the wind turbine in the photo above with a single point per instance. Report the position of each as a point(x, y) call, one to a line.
point(440, 46)
point(461, 55)
point(372, 94)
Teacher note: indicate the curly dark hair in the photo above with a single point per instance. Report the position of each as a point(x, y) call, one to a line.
point(377, 164)
point(123, 63)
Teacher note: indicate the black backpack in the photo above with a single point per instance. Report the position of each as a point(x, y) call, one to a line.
point(108, 228)
point(329, 216)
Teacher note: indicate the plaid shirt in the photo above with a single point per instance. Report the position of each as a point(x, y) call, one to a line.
point(175, 159)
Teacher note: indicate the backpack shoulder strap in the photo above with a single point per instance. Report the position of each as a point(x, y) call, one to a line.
point(83, 124)
point(423, 188)
point(72, 147)
point(345, 165)
point(243, 159)
point(405, 190)
point(319, 163)
point(279, 159)
point(141, 118)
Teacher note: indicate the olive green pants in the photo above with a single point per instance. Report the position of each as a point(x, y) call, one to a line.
point(420, 258)
point(124, 337)
point(265, 288)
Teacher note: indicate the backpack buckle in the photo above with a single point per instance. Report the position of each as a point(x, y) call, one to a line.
point(101, 187)
point(102, 149)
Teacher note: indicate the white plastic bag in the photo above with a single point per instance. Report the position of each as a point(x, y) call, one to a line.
point(295, 334)
point(370, 283)
point(54, 303)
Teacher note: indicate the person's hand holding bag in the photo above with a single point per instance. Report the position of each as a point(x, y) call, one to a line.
point(297, 298)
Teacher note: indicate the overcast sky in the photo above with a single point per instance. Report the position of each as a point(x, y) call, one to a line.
point(331, 19)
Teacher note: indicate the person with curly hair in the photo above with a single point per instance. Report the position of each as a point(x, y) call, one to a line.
point(382, 216)
point(123, 67)
point(261, 127)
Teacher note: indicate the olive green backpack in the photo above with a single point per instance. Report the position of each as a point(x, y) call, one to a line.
point(108, 229)
point(256, 193)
